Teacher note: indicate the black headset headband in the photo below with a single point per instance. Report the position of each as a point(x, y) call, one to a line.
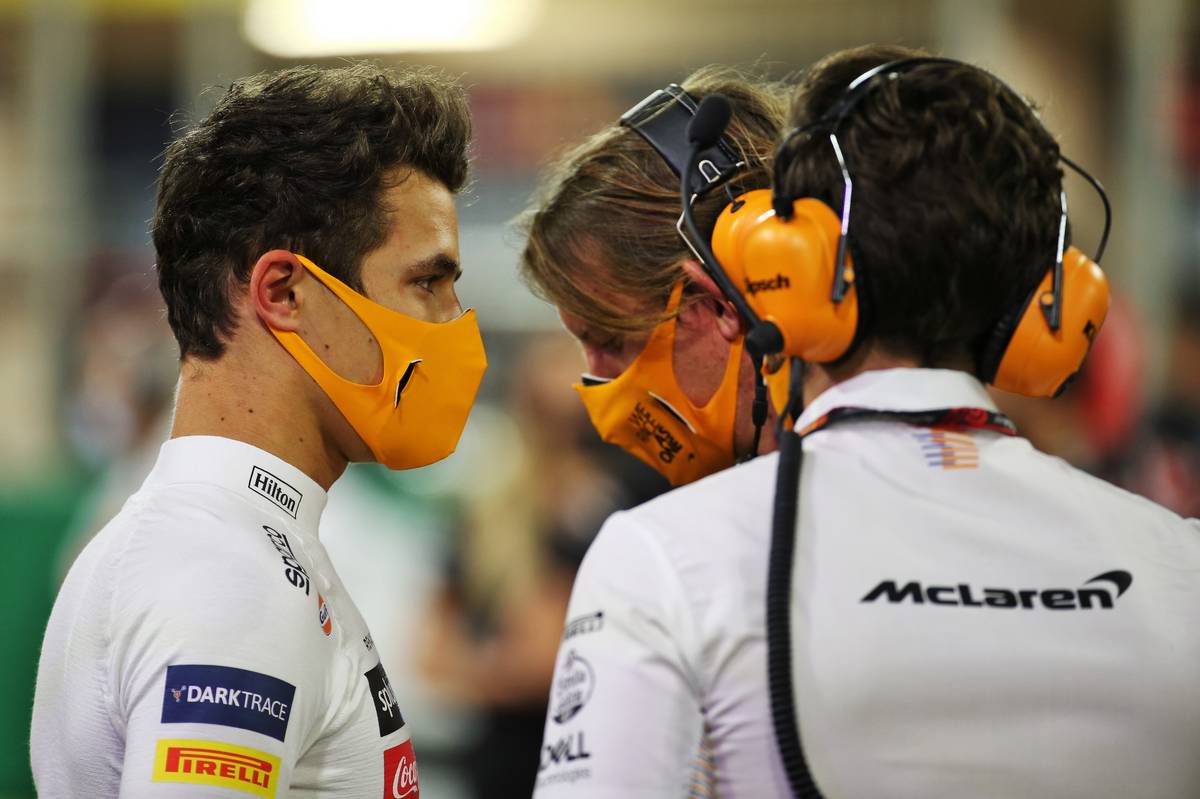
point(662, 119)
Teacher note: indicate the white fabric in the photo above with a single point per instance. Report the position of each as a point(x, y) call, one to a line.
point(896, 699)
point(193, 572)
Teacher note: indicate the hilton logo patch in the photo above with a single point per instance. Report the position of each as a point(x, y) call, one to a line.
point(283, 495)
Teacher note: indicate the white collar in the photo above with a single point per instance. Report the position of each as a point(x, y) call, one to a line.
point(265, 480)
point(900, 390)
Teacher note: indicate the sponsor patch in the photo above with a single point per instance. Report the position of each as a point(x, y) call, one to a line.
point(293, 571)
point(386, 710)
point(564, 751)
point(283, 495)
point(573, 686)
point(217, 764)
point(581, 625)
point(948, 449)
point(1108, 588)
point(324, 616)
point(227, 696)
point(400, 773)
point(650, 429)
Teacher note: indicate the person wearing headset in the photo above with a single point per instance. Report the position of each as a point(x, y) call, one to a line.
point(907, 600)
point(307, 250)
point(602, 247)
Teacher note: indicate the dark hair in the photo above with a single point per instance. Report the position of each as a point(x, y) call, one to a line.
point(956, 197)
point(296, 159)
point(606, 216)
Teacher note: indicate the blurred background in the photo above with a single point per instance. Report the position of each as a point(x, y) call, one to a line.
point(463, 569)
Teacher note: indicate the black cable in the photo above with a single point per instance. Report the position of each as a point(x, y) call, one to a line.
point(779, 595)
point(758, 411)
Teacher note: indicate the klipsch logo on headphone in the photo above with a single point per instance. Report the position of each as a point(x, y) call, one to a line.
point(780, 281)
point(1108, 588)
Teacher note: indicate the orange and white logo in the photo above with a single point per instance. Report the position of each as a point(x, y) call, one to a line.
point(324, 616)
point(216, 763)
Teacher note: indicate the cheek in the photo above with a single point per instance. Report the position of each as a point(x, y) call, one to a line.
point(341, 340)
point(603, 363)
point(700, 365)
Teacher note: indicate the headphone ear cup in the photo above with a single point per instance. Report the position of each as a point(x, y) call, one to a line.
point(1037, 361)
point(996, 344)
point(785, 270)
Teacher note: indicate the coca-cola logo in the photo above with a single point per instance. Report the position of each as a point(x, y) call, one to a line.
point(573, 686)
point(400, 773)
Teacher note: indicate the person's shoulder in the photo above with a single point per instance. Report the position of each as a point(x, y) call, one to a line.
point(200, 558)
point(721, 523)
point(1086, 490)
point(737, 497)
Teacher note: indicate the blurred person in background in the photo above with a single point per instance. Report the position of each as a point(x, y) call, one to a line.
point(497, 621)
point(1163, 461)
point(604, 249)
point(929, 657)
point(118, 408)
point(203, 637)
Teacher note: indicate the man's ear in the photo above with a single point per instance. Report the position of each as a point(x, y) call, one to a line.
point(273, 282)
point(729, 324)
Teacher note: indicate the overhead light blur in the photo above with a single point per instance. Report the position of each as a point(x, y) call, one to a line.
point(314, 28)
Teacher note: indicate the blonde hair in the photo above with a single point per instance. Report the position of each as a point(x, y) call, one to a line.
point(604, 223)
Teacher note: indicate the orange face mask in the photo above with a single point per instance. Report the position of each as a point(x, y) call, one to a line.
point(646, 413)
point(415, 414)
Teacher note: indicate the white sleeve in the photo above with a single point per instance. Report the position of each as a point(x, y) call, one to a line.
point(625, 705)
point(214, 684)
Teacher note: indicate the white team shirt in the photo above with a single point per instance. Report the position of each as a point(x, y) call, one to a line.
point(970, 618)
point(203, 645)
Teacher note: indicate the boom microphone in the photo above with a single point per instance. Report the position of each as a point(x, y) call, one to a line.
point(704, 131)
point(709, 122)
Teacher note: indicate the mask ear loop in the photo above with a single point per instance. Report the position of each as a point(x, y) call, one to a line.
point(758, 410)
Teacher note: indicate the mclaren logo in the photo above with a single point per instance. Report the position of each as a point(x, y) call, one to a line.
point(1104, 591)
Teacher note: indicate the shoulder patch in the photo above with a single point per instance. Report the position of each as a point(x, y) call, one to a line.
point(387, 713)
point(218, 764)
point(228, 696)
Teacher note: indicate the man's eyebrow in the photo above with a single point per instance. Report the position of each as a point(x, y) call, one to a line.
point(440, 265)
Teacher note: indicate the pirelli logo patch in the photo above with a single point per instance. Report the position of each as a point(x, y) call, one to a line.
point(217, 764)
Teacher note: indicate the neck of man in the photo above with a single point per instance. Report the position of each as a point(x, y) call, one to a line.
point(262, 403)
point(821, 377)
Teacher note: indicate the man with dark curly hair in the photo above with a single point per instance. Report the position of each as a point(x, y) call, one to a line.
point(963, 616)
point(307, 248)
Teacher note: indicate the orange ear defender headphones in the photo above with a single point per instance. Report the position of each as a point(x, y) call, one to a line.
point(785, 264)
point(791, 256)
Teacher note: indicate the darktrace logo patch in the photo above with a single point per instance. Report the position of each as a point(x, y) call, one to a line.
point(281, 494)
point(387, 713)
point(230, 697)
point(1103, 594)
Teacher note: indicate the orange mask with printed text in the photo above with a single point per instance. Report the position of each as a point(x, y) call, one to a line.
point(646, 413)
